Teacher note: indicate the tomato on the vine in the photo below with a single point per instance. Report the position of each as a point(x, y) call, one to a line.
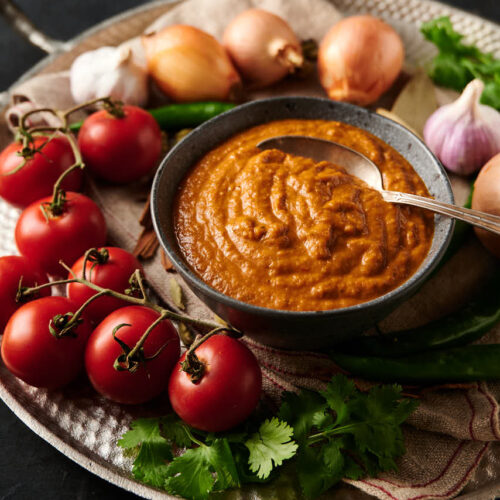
point(107, 267)
point(17, 271)
point(36, 178)
point(154, 362)
point(228, 390)
point(47, 238)
point(34, 354)
point(120, 149)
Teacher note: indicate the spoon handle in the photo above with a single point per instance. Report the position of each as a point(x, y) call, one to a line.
point(475, 217)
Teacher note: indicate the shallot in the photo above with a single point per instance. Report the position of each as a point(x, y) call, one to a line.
point(190, 65)
point(359, 59)
point(263, 47)
point(486, 197)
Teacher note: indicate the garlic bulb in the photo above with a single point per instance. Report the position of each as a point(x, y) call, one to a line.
point(464, 135)
point(109, 71)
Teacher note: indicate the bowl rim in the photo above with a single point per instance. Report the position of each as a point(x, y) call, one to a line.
point(414, 281)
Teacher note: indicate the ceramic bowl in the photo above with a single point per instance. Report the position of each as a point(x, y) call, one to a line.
point(288, 329)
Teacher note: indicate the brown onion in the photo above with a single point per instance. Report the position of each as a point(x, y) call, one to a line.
point(359, 59)
point(190, 65)
point(263, 47)
point(486, 197)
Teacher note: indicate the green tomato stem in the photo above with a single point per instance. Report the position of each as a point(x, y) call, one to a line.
point(166, 313)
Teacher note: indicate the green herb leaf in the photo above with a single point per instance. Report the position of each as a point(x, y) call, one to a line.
point(457, 63)
point(175, 430)
point(337, 394)
point(365, 437)
point(302, 411)
point(150, 464)
point(314, 475)
point(340, 432)
point(270, 446)
point(199, 471)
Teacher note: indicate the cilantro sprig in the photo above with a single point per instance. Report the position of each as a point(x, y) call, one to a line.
point(458, 63)
point(340, 432)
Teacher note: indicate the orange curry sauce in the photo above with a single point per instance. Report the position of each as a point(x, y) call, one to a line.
point(285, 232)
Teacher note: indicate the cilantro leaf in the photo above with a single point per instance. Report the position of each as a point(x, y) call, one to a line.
point(317, 469)
point(174, 430)
point(336, 395)
point(365, 437)
point(340, 432)
point(457, 63)
point(150, 464)
point(199, 471)
point(302, 411)
point(270, 446)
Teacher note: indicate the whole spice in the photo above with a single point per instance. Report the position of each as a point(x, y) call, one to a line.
point(190, 65)
point(464, 135)
point(109, 71)
point(359, 59)
point(486, 197)
point(263, 47)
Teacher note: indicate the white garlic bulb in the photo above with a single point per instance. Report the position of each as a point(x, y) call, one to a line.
point(109, 71)
point(464, 135)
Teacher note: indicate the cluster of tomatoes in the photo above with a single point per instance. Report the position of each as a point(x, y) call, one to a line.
point(48, 339)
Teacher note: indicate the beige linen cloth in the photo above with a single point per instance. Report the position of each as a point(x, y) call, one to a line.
point(452, 439)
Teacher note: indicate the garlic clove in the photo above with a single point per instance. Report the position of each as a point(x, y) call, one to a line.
point(464, 134)
point(109, 71)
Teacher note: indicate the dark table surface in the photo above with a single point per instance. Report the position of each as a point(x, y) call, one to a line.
point(29, 467)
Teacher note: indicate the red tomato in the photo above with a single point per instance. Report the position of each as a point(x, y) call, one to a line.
point(120, 149)
point(33, 354)
point(113, 274)
point(151, 378)
point(36, 179)
point(12, 269)
point(63, 237)
point(228, 391)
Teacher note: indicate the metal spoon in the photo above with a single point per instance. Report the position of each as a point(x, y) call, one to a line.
point(360, 166)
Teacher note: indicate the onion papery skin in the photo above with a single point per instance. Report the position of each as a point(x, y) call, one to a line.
point(190, 65)
point(486, 197)
point(263, 47)
point(359, 59)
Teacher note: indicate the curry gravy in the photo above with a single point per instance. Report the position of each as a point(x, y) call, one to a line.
point(286, 232)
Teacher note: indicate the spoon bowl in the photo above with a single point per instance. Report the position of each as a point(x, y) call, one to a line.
point(358, 165)
point(317, 149)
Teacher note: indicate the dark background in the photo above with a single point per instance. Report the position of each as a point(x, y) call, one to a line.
point(29, 467)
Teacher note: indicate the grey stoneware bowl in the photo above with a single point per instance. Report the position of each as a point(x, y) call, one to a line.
point(287, 329)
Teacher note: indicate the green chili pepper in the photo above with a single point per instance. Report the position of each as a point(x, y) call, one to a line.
point(456, 329)
point(462, 364)
point(184, 115)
